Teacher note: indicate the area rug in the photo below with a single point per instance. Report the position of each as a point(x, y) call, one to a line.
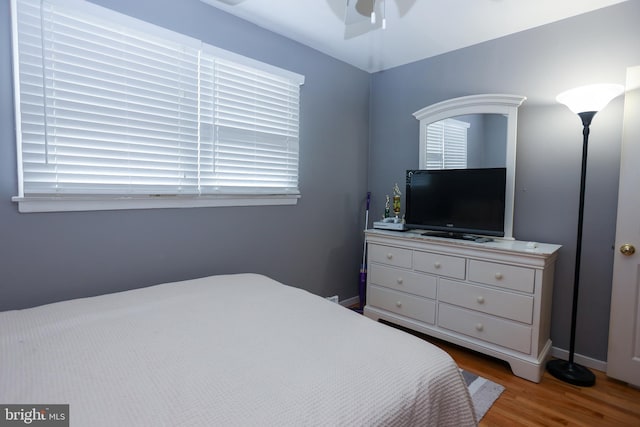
point(483, 392)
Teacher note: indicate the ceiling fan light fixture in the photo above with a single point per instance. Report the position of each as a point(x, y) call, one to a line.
point(373, 12)
point(384, 14)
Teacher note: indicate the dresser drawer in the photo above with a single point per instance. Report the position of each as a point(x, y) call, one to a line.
point(412, 306)
point(442, 265)
point(502, 275)
point(490, 329)
point(498, 303)
point(403, 280)
point(390, 255)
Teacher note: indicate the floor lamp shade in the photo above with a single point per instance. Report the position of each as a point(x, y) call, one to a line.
point(585, 101)
point(589, 98)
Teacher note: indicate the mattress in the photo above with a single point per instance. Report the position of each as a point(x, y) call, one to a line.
point(233, 350)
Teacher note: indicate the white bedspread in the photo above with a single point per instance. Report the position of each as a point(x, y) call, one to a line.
point(237, 350)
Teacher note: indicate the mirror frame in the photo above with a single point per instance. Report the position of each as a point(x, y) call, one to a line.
point(504, 104)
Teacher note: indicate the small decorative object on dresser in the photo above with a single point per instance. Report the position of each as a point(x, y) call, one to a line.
point(387, 207)
point(492, 297)
point(396, 200)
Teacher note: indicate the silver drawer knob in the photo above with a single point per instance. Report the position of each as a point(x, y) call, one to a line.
point(400, 280)
point(437, 265)
point(479, 327)
point(389, 255)
point(498, 276)
point(398, 304)
point(480, 300)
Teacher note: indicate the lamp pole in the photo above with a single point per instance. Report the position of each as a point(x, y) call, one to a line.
point(585, 101)
point(586, 122)
point(569, 371)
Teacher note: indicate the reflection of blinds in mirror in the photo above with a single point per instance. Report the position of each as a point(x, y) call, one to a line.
point(447, 144)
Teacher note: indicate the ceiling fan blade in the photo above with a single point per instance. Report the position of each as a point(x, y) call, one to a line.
point(404, 6)
point(359, 28)
point(353, 12)
point(358, 17)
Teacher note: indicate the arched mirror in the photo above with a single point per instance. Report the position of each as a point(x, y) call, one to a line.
point(480, 133)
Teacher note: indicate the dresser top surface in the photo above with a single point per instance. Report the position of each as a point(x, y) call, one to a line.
point(530, 248)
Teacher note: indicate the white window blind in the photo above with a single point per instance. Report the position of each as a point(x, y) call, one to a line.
point(110, 105)
point(256, 130)
point(447, 144)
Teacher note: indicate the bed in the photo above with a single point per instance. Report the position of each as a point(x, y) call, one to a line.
point(230, 350)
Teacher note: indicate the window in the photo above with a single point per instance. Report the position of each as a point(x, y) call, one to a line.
point(113, 112)
point(447, 144)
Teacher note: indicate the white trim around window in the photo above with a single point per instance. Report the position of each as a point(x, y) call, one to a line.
point(88, 203)
point(117, 113)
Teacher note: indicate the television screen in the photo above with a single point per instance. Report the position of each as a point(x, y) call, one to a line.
point(456, 201)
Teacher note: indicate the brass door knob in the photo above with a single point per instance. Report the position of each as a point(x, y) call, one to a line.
point(627, 249)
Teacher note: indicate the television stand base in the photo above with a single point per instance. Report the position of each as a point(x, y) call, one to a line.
point(459, 236)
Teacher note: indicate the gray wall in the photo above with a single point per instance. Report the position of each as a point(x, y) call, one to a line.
point(475, 140)
point(495, 133)
point(539, 63)
point(486, 140)
point(315, 245)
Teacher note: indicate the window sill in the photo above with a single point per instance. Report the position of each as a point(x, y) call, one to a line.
point(97, 203)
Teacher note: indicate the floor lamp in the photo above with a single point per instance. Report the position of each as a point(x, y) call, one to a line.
point(585, 101)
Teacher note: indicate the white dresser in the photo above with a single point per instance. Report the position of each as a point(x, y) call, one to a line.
point(492, 297)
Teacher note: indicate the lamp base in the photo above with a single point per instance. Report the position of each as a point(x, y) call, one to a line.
point(571, 373)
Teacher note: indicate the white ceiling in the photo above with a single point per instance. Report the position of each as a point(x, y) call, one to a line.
point(429, 28)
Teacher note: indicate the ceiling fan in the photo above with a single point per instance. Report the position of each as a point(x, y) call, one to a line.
point(362, 16)
point(359, 16)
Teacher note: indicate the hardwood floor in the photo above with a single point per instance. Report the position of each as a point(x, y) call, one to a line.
point(551, 402)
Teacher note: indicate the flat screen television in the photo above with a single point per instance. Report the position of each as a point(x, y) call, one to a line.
point(456, 202)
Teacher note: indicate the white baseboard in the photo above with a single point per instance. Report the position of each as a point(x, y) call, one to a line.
point(350, 301)
point(598, 365)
